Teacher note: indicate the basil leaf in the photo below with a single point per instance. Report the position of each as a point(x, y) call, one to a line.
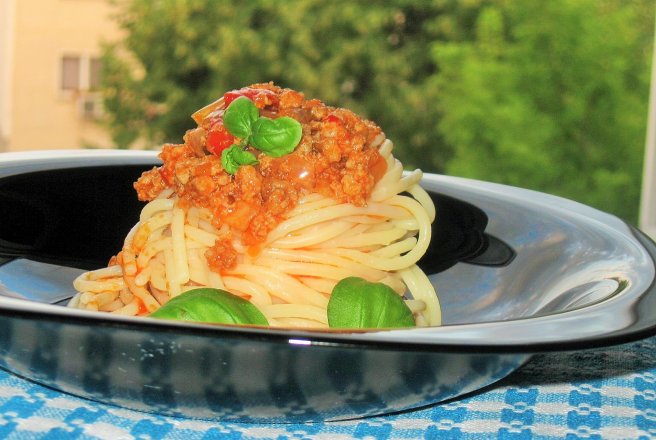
point(358, 303)
point(276, 137)
point(239, 117)
point(210, 305)
point(233, 157)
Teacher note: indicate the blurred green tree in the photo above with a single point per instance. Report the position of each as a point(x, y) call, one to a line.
point(545, 95)
point(372, 57)
point(551, 96)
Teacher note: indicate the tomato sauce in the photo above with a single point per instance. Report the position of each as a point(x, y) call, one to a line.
point(335, 158)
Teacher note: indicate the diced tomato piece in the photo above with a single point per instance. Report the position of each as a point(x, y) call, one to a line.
point(228, 97)
point(261, 97)
point(332, 118)
point(218, 139)
point(141, 307)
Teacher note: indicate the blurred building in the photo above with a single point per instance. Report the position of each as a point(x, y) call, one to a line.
point(49, 73)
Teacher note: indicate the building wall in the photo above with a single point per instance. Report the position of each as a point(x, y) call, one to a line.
point(7, 8)
point(41, 114)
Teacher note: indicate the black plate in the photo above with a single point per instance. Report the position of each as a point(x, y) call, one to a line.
point(516, 272)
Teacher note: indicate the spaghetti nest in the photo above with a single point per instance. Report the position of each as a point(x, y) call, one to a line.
point(290, 270)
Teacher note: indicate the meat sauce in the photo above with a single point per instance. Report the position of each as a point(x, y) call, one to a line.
point(335, 158)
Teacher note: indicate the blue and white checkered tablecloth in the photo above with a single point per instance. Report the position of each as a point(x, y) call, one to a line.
point(593, 394)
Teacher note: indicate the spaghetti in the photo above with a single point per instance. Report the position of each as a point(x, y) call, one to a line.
point(269, 233)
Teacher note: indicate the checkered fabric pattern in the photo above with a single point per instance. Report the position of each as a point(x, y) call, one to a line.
point(594, 394)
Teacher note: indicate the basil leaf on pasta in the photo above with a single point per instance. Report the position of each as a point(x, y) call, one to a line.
point(240, 116)
point(210, 305)
point(276, 137)
point(234, 156)
point(358, 303)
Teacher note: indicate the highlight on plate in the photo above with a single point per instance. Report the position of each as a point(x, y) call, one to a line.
point(276, 210)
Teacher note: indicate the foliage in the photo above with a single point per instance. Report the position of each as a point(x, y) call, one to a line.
point(546, 95)
point(365, 56)
point(551, 96)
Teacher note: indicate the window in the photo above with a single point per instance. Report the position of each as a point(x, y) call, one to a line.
point(80, 73)
point(70, 73)
point(80, 81)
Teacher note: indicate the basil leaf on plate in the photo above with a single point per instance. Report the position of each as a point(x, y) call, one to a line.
point(239, 117)
point(276, 137)
point(358, 303)
point(210, 305)
point(234, 156)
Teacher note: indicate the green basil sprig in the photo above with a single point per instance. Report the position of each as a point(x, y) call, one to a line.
point(239, 117)
point(210, 305)
point(234, 156)
point(274, 137)
point(358, 303)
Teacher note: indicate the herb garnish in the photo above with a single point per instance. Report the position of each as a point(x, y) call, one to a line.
point(358, 303)
point(274, 137)
point(210, 305)
point(233, 157)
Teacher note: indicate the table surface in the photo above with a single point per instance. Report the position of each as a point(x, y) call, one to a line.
point(597, 394)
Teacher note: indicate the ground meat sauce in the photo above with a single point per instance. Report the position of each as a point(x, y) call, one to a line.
point(334, 158)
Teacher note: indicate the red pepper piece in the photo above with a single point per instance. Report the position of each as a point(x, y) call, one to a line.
point(332, 118)
point(218, 139)
point(261, 97)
